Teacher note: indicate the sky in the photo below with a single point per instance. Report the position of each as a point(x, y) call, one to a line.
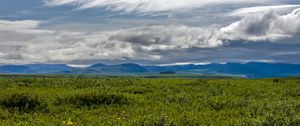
point(149, 32)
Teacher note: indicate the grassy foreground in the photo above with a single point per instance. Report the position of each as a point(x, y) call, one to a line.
point(148, 102)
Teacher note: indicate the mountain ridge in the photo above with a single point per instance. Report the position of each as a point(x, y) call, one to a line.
point(248, 70)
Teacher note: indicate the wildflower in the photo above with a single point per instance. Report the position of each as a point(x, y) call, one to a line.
point(69, 122)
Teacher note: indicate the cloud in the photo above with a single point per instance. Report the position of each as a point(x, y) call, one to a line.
point(184, 63)
point(147, 6)
point(262, 9)
point(168, 37)
point(25, 42)
point(140, 43)
point(24, 26)
point(59, 2)
point(264, 27)
point(17, 25)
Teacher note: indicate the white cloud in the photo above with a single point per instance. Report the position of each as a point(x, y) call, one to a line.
point(146, 6)
point(168, 37)
point(135, 43)
point(262, 9)
point(59, 2)
point(139, 43)
point(185, 63)
point(24, 26)
point(264, 27)
point(17, 25)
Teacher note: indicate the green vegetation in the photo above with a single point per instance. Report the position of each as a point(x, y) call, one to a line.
point(138, 101)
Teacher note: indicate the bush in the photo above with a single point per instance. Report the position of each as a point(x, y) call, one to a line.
point(136, 90)
point(23, 102)
point(161, 120)
point(219, 103)
point(92, 99)
point(278, 80)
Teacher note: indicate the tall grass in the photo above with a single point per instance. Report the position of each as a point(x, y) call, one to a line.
point(94, 99)
point(149, 102)
point(22, 101)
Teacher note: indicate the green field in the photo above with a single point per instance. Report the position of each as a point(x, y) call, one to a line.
point(138, 101)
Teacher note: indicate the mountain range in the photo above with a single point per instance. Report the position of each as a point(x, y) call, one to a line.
point(247, 70)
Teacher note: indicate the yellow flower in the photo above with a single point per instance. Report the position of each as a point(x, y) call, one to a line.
point(69, 122)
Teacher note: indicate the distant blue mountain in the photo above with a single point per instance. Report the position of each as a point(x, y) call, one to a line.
point(128, 68)
point(99, 65)
point(121, 69)
point(34, 68)
point(15, 69)
point(172, 68)
point(249, 70)
point(49, 68)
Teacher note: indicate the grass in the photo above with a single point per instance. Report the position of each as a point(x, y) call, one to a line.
point(139, 101)
point(22, 102)
point(93, 99)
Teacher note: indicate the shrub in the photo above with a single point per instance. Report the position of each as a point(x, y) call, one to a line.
point(92, 99)
point(23, 102)
point(136, 90)
point(219, 103)
point(161, 120)
point(278, 80)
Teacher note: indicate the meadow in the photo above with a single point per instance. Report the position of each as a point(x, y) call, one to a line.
point(139, 101)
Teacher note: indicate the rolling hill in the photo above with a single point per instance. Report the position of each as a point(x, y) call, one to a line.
point(249, 70)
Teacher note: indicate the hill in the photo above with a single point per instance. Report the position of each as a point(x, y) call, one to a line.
point(248, 70)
